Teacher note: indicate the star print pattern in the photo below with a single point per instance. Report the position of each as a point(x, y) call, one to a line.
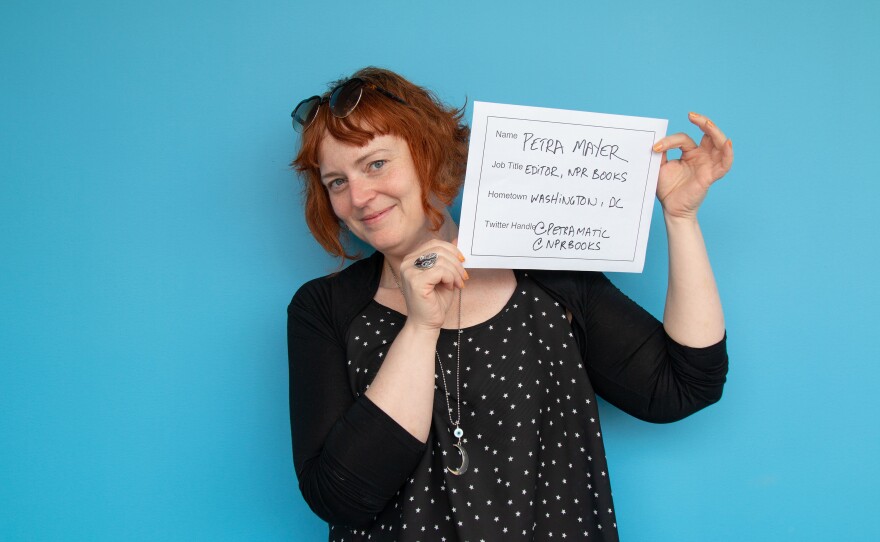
point(531, 431)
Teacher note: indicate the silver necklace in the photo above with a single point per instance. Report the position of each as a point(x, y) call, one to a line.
point(457, 432)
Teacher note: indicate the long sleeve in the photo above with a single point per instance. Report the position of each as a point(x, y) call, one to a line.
point(350, 457)
point(631, 361)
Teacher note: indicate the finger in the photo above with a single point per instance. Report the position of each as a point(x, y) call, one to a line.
point(440, 248)
point(725, 151)
point(461, 257)
point(452, 273)
point(675, 141)
point(451, 246)
point(445, 274)
point(709, 128)
point(446, 259)
point(658, 147)
point(451, 278)
point(727, 155)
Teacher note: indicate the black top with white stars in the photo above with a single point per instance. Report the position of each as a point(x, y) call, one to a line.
point(528, 411)
point(531, 431)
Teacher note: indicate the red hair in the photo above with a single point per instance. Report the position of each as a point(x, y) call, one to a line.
point(436, 136)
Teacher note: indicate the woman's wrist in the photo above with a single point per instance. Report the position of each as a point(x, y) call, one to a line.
point(415, 331)
point(680, 221)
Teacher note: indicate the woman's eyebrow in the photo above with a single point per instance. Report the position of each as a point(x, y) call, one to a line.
point(329, 174)
point(369, 155)
point(366, 157)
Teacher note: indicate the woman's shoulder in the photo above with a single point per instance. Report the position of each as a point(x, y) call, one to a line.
point(565, 282)
point(350, 287)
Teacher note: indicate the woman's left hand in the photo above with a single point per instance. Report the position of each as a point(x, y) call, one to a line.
point(683, 183)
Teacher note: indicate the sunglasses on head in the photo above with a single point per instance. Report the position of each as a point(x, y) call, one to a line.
point(343, 99)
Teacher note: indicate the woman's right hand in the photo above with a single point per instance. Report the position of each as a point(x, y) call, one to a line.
point(429, 293)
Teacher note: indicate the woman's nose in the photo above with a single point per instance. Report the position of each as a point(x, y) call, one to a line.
point(361, 192)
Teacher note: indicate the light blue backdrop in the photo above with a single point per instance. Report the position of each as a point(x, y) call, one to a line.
point(151, 237)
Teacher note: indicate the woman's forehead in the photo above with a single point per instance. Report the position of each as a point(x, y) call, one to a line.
point(332, 150)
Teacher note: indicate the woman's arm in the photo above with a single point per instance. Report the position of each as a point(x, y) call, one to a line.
point(693, 315)
point(661, 372)
point(350, 457)
point(404, 386)
point(353, 454)
point(630, 358)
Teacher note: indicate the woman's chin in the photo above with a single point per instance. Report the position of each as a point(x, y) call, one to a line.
point(385, 244)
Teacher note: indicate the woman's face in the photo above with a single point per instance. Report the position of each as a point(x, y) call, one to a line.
point(375, 191)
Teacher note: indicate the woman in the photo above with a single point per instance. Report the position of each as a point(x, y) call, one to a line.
point(429, 402)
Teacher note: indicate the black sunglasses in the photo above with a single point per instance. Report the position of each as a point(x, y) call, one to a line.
point(343, 100)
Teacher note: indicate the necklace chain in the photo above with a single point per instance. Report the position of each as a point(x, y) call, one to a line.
point(457, 432)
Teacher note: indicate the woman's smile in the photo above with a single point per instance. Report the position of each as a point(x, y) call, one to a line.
point(372, 219)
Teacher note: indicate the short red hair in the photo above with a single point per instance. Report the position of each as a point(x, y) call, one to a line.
point(436, 136)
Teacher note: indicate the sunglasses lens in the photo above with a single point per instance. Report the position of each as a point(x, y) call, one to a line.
point(305, 112)
point(345, 98)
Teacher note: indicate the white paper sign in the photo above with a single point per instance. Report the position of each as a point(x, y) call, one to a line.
point(557, 189)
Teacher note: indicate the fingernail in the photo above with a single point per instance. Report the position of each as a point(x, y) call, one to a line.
point(693, 115)
point(466, 276)
point(658, 147)
point(461, 257)
point(730, 143)
point(709, 123)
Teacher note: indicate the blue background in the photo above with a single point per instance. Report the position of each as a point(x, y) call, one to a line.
point(151, 235)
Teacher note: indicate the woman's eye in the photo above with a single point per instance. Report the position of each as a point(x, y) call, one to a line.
point(377, 164)
point(336, 184)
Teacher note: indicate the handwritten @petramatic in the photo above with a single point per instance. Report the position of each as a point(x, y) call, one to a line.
point(557, 189)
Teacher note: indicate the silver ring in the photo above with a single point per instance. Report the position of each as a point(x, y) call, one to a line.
point(425, 261)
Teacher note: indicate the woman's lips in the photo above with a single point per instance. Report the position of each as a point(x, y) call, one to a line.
point(374, 217)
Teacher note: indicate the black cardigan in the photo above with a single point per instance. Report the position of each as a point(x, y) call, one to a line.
point(631, 362)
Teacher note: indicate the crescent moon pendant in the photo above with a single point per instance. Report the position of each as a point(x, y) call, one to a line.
point(464, 462)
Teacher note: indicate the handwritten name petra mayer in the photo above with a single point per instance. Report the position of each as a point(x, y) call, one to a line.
point(581, 147)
